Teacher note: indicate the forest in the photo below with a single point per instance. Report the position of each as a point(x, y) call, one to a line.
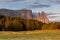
point(8, 23)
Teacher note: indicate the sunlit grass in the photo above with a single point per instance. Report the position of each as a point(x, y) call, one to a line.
point(40, 35)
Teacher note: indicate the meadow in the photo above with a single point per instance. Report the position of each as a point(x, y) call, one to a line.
point(31, 35)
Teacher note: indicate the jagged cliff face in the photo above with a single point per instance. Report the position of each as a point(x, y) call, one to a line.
point(24, 13)
point(41, 17)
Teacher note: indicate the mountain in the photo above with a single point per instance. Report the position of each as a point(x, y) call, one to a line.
point(41, 17)
point(25, 13)
point(8, 12)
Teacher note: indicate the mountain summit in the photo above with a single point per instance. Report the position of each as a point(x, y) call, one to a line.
point(41, 17)
point(24, 13)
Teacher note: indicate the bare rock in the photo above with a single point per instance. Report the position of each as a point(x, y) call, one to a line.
point(41, 17)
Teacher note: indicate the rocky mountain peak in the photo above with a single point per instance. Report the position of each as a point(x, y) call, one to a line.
point(26, 13)
point(41, 17)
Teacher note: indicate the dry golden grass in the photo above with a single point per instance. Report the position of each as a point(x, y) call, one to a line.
point(29, 32)
point(31, 35)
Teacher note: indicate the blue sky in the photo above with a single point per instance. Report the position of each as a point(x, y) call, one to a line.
point(34, 5)
point(49, 6)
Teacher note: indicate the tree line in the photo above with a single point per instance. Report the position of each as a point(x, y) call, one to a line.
point(8, 23)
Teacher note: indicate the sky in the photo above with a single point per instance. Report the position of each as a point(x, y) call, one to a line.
point(51, 7)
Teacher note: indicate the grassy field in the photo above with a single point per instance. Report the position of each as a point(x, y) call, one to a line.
point(31, 35)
